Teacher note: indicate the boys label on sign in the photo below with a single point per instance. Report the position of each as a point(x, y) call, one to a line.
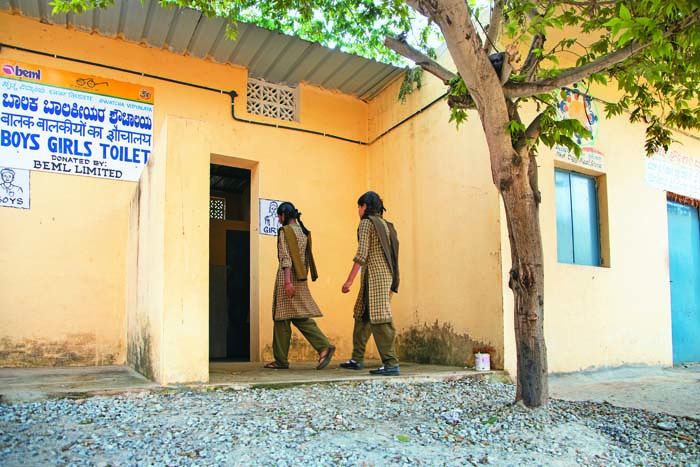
point(64, 122)
point(14, 188)
point(268, 216)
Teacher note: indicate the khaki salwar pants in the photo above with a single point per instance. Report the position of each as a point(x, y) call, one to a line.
point(383, 333)
point(282, 336)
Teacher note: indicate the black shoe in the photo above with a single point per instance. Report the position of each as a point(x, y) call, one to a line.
point(391, 371)
point(352, 365)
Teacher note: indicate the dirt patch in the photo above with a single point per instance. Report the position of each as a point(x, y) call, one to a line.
point(138, 352)
point(78, 349)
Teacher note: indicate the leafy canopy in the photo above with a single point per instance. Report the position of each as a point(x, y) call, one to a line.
point(648, 49)
point(353, 26)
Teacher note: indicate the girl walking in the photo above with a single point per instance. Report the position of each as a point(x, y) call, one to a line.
point(292, 302)
point(377, 254)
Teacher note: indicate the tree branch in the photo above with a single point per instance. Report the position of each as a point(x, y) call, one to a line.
point(534, 128)
point(416, 5)
point(532, 177)
point(401, 47)
point(532, 61)
point(494, 28)
point(531, 133)
point(515, 90)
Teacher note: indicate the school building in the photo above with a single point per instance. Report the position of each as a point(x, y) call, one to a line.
point(143, 153)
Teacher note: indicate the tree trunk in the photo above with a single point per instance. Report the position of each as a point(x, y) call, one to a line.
point(514, 172)
point(521, 201)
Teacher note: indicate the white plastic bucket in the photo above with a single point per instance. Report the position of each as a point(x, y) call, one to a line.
point(483, 361)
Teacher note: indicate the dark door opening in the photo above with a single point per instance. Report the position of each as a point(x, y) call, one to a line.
point(229, 264)
point(238, 294)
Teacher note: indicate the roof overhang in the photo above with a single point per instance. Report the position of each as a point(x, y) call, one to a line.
point(268, 55)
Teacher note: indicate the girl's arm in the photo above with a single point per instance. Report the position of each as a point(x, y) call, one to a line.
point(363, 234)
point(286, 264)
point(351, 277)
point(288, 287)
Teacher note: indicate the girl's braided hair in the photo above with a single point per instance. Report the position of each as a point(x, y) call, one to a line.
point(288, 211)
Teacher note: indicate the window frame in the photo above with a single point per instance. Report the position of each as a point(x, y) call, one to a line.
point(213, 199)
point(582, 249)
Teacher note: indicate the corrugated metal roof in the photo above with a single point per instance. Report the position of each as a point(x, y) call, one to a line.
point(267, 55)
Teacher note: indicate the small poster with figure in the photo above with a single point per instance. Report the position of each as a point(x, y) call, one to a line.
point(582, 107)
point(269, 225)
point(14, 188)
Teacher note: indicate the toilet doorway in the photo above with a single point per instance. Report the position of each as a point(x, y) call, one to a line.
point(229, 263)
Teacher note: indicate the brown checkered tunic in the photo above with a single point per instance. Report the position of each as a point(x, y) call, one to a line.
point(375, 273)
point(303, 304)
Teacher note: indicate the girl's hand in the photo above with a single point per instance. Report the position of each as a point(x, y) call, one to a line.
point(289, 290)
point(346, 286)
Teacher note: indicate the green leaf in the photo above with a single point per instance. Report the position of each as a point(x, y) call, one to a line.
point(626, 37)
point(624, 12)
point(515, 128)
point(403, 438)
point(459, 116)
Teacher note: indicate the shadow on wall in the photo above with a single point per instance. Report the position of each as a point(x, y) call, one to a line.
point(439, 344)
point(73, 350)
point(138, 352)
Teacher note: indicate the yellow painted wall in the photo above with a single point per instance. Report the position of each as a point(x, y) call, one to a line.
point(620, 313)
point(186, 262)
point(436, 184)
point(63, 265)
point(168, 320)
point(148, 243)
point(117, 272)
point(145, 277)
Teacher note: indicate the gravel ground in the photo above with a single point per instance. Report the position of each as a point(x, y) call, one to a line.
point(376, 423)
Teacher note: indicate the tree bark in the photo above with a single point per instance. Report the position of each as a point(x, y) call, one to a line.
point(526, 280)
point(514, 174)
point(401, 47)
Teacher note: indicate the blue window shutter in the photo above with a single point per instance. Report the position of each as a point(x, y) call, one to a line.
point(565, 232)
point(578, 234)
point(584, 202)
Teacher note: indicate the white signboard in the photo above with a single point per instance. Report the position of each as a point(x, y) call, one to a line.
point(269, 224)
point(14, 188)
point(590, 158)
point(674, 172)
point(64, 122)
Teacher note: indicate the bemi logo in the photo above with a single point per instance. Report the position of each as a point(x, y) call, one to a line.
point(21, 72)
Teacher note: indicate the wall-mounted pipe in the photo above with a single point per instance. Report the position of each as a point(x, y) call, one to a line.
point(232, 94)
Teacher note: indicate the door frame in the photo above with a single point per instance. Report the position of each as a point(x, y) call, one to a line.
point(255, 315)
point(678, 355)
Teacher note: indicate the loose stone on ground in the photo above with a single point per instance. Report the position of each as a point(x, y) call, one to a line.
point(375, 423)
